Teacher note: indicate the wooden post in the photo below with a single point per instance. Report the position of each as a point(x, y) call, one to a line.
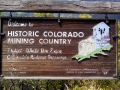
point(0, 50)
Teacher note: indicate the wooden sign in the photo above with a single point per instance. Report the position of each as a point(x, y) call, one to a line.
point(74, 49)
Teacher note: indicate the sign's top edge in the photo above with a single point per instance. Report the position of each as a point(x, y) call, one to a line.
point(57, 18)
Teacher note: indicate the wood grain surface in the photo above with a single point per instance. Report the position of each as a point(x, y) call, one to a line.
point(59, 6)
point(38, 59)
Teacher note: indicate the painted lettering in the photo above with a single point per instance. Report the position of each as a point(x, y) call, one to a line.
point(20, 41)
point(10, 50)
point(52, 57)
point(23, 33)
point(32, 50)
point(43, 50)
point(62, 34)
point(16, 24)
point(54, 41)
point(55, 51)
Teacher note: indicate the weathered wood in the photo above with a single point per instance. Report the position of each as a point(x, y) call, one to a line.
point(19, 59)
point(59, 6)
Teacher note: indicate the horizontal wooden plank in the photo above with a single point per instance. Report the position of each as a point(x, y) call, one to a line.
point(64, 63)
point(59, 6)
point(60, 77)
point(57, 73)
point(53, 68)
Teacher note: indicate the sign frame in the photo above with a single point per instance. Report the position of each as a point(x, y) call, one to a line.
point(59, 77)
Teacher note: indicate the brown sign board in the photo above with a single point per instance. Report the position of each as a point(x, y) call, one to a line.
point(72, 49)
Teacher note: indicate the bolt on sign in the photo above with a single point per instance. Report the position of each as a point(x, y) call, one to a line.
point(72, 49)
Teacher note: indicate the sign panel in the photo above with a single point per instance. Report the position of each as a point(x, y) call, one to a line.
point(75, 48)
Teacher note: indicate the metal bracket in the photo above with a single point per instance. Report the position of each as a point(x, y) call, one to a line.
point(116, 76)
point(59, 18)
point(107, 20)
point(1, 76)
point(2, 34)
point(115, 37)
point(10, 17)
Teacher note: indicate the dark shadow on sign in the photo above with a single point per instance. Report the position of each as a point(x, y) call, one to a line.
point(1, 76)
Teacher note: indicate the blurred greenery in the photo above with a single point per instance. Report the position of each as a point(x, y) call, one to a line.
point(85, 16)
point(1, 14)
point(43, 15)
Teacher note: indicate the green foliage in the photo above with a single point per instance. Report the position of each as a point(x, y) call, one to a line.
point(20, 14)
point(95, 85)
point(59, 84)
point(70, 16)
point(2, 14)
point(119, 40)
point(43, 14)
point(119, 48)
point(85, 16)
